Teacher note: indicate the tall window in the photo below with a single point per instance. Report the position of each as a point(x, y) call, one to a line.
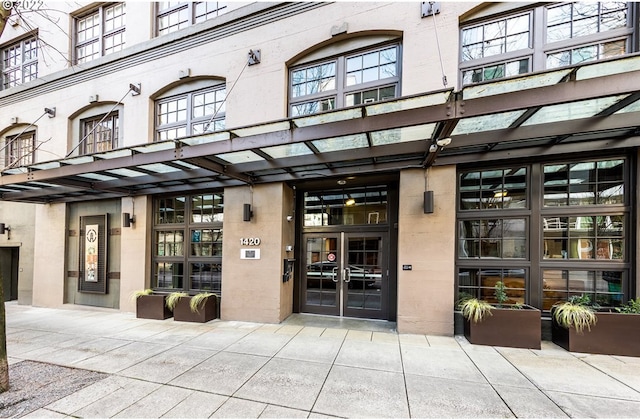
point(100, 32)
point(544, 37)
point(100, 133)
point(20, 62)
point(19, 149)
point(175, 15)
point(348, 80)
point(191, 113)
point(188, 242)
point(580, 218)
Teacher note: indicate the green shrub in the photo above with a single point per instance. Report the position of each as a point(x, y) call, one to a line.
point(632, 307)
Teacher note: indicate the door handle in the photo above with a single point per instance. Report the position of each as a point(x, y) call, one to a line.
point(347, 275)
point(334, 273)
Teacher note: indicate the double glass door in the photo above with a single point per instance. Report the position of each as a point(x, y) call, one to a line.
point(346, 274)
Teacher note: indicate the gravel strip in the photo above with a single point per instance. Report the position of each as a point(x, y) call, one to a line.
point(33, 385)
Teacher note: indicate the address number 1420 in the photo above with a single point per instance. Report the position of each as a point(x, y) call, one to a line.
point(250, 241)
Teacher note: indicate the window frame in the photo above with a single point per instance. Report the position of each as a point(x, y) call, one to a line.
point(15, 143)
point(103, 34)
point(537, 262)
point(24, 63)
point(192, 19)
point(113, 118)
point(539, 48)
point(341, 89)
point(187, 226)
point(216, 124)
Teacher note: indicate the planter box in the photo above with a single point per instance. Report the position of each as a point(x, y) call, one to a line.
point(152, 307)
point(613, 334)
point(514, 328)
point(182, 312)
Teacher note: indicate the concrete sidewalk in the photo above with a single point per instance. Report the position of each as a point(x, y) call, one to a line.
point(309, 367)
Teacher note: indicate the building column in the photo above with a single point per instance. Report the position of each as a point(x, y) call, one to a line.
point(135, 268)
point(427, 243)
point(49, 255)
point(253, 287)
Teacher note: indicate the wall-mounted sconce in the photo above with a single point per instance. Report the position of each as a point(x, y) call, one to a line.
point(128, 219)
point(428, 202)
point(246, 212)
point(51, 112)
point(5, 229)
point(289, 218)
point(14, 120)
point(93, 98)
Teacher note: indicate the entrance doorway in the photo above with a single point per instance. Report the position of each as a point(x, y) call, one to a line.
point(346, 274)
point(9, 257)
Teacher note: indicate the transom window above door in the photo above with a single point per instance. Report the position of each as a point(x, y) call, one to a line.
point(351, 79)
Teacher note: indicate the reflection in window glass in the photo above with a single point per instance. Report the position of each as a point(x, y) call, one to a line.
point(493, 189)
point(498, 37)
point(584, 237)
point(603, 287)
point(169, 275)
point(587, 53)
point(206, 277)
point(207, 208)
point(480, 283)
point(194, 241)
point(584, 183)
point(366, 205)
point(579, 19)
point(191, 113)
point(366, 77)
point(492, 238)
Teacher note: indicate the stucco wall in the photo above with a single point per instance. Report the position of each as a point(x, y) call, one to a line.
point(49, 255)
point(427, 242)
point(135, 270)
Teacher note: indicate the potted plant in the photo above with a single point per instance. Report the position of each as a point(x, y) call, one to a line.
point(200, 308)
point(516, 325)
point(579, 326)
point(150, 305)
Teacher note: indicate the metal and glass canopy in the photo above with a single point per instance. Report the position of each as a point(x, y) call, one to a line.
point(590, 107)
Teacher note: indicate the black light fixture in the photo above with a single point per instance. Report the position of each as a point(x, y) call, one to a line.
point(128, 219)
point(246, 212)
point(428, 202)
point(5, 229)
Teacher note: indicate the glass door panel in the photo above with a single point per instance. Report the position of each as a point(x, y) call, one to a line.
point(365, 275)
point(322, 274)
point(346, 274)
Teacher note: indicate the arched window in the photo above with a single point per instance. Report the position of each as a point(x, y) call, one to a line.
point(358, 71)
point(190, 109)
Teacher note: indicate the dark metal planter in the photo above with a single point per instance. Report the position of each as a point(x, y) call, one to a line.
point(514, 328)
point(613, 334)
point(152, 307)
point(182, 311)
